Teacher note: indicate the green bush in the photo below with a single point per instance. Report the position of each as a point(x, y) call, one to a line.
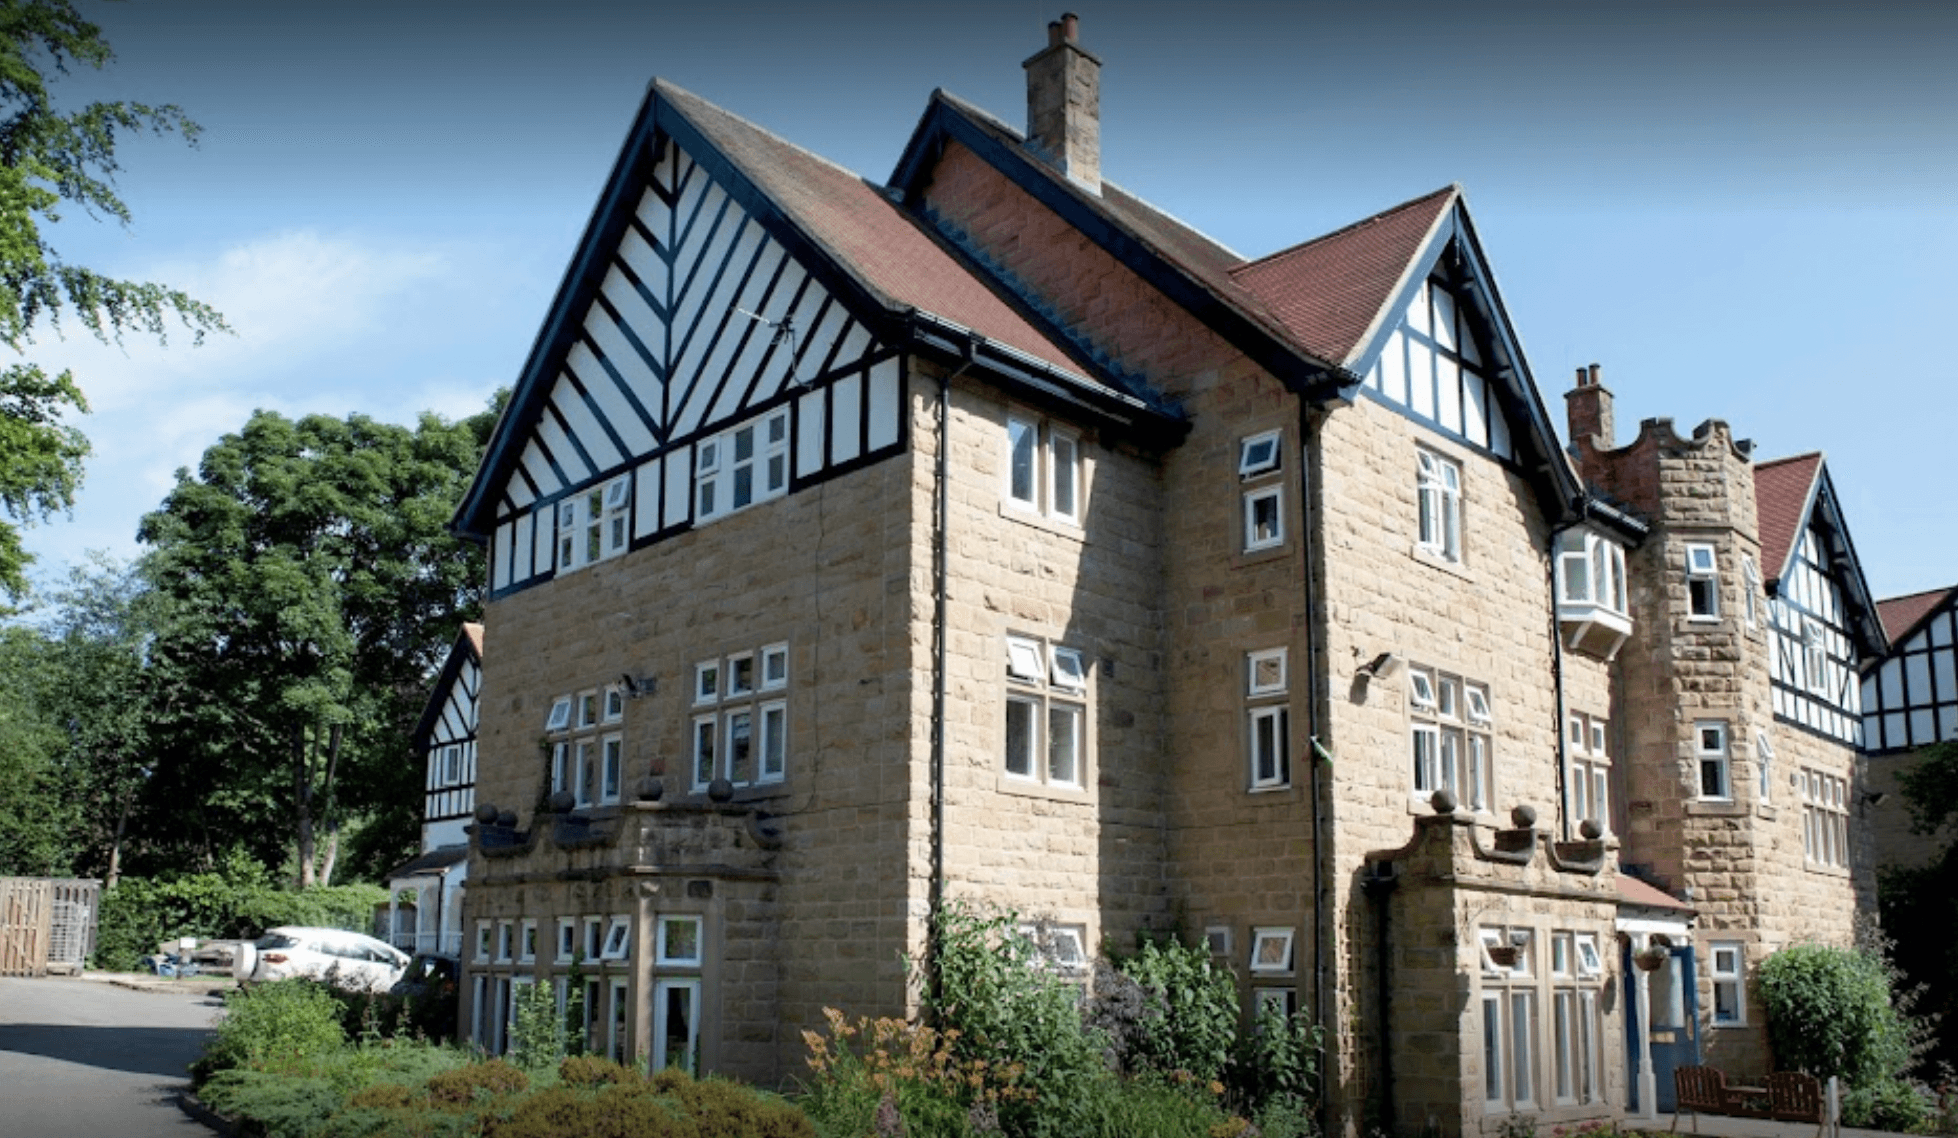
point(1887, 1104)
point(275, 1027)
point(671, 1103)
point(592, 1071)
point(1830, 1013)
point(1278, 1067)
point(279, 1104)
point(1192, 1016)
point(236, 901)
point(464, 1085)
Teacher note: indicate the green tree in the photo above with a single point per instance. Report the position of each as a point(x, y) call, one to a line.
point(39, 818)
point(1917, 903)
point(306, 587)
point(49, 157)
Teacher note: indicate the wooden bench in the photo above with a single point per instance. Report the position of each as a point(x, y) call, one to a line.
point(1789, 1096)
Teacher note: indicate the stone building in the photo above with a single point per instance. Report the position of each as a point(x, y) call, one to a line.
point(991, 534)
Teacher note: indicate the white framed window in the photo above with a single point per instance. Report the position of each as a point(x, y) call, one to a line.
point(1045, 734)
point(1764, 765)
point(1591, 572)
point(1750, 575)
point(1265, 672)
point(1271, 746)
point(1283, 1001)
point(1259, 454)
point(1057, 947)
point(584, 767)
point(746, 742)
point(451, 764)
point(1575, 1064)
point(1587, 778)
point(1728, 970)
point(1509, 1019)
point(594, 941)
point(1217, 938)
point(1264, 518)
point(618, 939)
point(1271, 950)
point(1043, 467)
point(587, 710)
point(559, 717)
point(483, 939)
point(613, 709)
point(1450, 738)
point(1702, 582)
point(1825, 818)
point(618, 515)
point(1815, 657)
point(1710, 748)
point(775, 667)
point(611, 765)
point(567, 939)
point(679, 942)
point(741, 466)
point(676, 1024)
point(1438, 488)
point(527, 943)
point(621, 1017)
point(594, 524)
point(505, 941)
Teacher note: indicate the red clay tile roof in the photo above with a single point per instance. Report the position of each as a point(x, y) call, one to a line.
point(866, 233)
point(1329, 292)
point(1901, 614)
point(1782, 489)
point(1632, 891)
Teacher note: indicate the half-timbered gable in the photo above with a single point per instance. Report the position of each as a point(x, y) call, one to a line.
point(1822, 623)
point(1910, 698)
point(446, 738)
point(735, 328)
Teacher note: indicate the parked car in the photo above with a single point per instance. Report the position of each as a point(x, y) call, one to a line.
point(429, 973)
point(347, 960)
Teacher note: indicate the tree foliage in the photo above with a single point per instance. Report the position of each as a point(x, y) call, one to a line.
point(48, 158)
point(1918, 904)
point(306, 587)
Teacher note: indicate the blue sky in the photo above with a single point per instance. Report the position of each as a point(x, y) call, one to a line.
point(1743, 211)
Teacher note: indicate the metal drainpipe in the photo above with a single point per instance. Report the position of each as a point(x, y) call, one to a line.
point(1320, 917)
point(941, 513)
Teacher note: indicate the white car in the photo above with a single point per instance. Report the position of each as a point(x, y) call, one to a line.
point(343, 959)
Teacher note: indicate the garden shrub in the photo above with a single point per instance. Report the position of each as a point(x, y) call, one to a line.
point(538, 1037)
point(1191, 1019)
point(592, 1071)
point(1830, 1013)
point(462, 1086)
point(672, 1103)
point(281, 1104)
point(280, 1026)
point(1888, 1104)
point(908, 1073)
point(1277, 1069)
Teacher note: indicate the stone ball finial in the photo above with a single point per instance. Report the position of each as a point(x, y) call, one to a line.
point(1443, 801)
point(650, 789)
point(485, 813)
point(507, 819)
point(720, 790)
point(1524, 817)
point(1589, 830)
point(563, 801)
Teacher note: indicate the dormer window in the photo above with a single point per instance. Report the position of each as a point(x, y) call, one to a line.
point(1592, 605)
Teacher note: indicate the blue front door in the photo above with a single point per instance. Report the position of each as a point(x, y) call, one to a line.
point(1675, 1023)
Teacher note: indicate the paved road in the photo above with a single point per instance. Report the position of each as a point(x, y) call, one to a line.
point(80, 1058)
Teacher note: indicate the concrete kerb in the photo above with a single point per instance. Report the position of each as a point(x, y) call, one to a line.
point(1730, 1126)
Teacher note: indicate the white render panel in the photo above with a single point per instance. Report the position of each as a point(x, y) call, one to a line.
point(679, 486)
point(1448, 391)
point(1499, 436)
point(517, 495)
point(647, 265)
point(820, 340)
point(646, 497)
point(1475, 397)
point(618, 352)
point(1421, 379)
point(809, 434)
point(539, 469)
point(760, 333)
point(521, 565)
point(552, 436)
point(544, 548)
point(885, 405)
point(701, 356)
point(617, 412)
point(499, 560)
point(1393, 365)
point(583, 425)
point(846, 433)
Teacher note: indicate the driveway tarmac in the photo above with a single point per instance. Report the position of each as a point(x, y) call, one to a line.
point(80, 1058)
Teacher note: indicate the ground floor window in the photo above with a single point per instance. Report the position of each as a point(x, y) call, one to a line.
point(615, 1036)
point(1729, 983)
point(676, 1024)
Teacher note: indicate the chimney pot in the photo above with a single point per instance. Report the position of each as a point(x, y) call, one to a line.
point(1583, 379)
point(1070, 27)
point(1055, 34)
point(1588, 411)
point(1596, 377)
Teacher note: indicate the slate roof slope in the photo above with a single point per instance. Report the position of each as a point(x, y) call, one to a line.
point(1783, 488)
point(1902, 615)
point(1331, 292)
point(897, 259)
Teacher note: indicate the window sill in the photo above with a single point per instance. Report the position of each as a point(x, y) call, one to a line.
point(1766, 811)
point(1715, 808)
point(1422, 804)
point(1027, 788)
point(1027, 515)
point(1841, 871)
point(1435, 560)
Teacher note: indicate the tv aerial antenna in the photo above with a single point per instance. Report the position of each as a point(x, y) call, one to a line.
point(784, 332)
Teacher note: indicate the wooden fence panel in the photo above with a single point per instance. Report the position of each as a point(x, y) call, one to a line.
point(26, 925)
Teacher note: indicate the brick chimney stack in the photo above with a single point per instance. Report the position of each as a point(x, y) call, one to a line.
point(1588, 410)
point(1064, 105)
